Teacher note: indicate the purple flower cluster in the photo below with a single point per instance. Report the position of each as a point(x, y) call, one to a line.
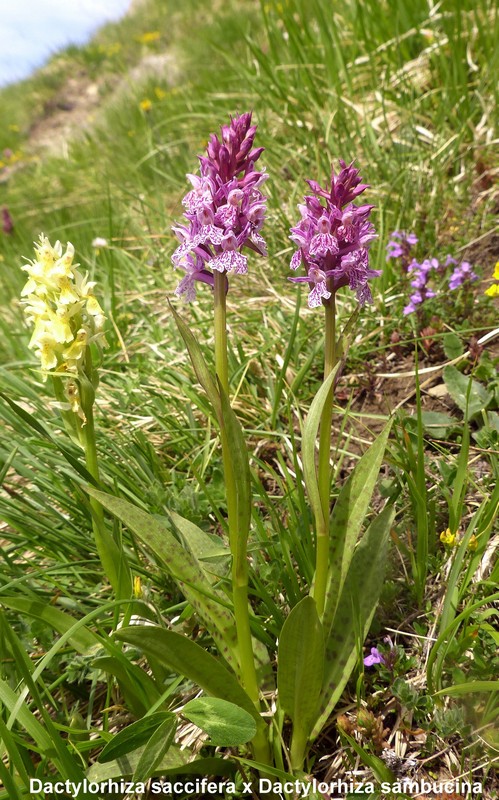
point(400, 244)
point(225, 209)
point(333, 238)
point(420, 276)
point(463, 273)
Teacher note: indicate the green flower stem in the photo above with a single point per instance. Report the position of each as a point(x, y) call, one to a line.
point(237, 537)
point(221, 363)
point(324, 469)
point(111, 556)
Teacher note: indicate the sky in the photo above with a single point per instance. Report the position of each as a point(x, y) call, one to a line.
point(32, 30)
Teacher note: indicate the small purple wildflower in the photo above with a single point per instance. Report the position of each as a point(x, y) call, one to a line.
point(225, 209)
point(400, 244)
point(375, 657)
point(420, 274)
point(333, 238)
point(463, 273)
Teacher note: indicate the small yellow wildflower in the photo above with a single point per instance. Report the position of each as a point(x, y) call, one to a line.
point(149, 37)
point(159, 92)
point(493, 291)
point(145, 105)
point(448, 538)
point(473, 543)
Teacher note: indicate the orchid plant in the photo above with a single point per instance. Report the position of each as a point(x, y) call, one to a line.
point(321, 638)
point(68, 324)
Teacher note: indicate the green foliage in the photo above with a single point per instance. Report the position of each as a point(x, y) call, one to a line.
point(408, 95)
point(227, 724)
point(300, 672)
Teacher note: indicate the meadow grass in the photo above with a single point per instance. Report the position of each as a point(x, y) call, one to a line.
point(406, 89)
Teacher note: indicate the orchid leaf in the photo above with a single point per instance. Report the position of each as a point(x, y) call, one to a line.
point(198, 362)
point(347, 519)
point(355, 610)
point(207, 548)
point(187, 658)
point(309, 440)
point(158, 535)
point(301, 665)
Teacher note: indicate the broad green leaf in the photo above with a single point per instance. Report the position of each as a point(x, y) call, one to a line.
point(438, 424)
point(227, 724)
point(139, 689)
point(208, 602)
point(453, 346)
point(309, 440)
point(155, 750)
point(458, 386)
point(347, 519)
point(134, 735)
point(83, 640)
point(187, 658)
point(301, 664)
point(355, 610)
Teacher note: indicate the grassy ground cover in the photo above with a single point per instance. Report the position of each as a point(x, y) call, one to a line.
point(96, 146)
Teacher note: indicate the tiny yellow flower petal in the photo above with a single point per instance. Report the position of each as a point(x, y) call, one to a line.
point(473, 542)
point(145, 105)
point(493, 291)
point(496, 271)
point(160, 93)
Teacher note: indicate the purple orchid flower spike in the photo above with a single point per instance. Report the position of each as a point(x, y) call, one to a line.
point(225, 209)
point(333, 237)
point(373, 658)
